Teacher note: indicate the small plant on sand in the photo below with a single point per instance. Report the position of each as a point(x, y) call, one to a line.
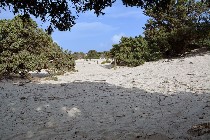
point(54, 78)
point(106, 61)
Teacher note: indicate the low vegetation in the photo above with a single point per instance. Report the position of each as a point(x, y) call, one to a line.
point(106, 61)
point(130, 51)
point(53, 78)
point(92, 54)
point(79, 55)
point(24, 47)
point(185, 26)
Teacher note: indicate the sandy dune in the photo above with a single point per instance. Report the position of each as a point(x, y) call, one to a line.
point(159, 100)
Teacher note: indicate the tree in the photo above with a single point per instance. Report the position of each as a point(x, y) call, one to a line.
point(181, 28)
point(79, 55)
point(92, 54)
point(62, 13)
point(105, 54)
point(130, 51)
point(24, 47)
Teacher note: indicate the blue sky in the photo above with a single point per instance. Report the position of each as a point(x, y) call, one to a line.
point(97, 33)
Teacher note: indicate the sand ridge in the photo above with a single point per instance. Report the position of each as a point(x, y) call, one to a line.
point(158, 100)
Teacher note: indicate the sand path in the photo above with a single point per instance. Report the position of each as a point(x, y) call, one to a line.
point(159, 100)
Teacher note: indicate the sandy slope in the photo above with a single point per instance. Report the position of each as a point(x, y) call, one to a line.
point(156, 101)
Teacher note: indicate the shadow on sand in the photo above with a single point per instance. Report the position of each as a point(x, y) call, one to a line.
point(98, 110)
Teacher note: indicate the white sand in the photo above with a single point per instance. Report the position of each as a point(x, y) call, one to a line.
point(156, 101)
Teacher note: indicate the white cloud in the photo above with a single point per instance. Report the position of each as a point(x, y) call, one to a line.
point(133, 14)
point(93, 26)
point(116, 38)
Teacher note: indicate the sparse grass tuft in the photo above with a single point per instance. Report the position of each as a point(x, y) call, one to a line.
point(104, 62)
point(54, 78)
point(107, 61)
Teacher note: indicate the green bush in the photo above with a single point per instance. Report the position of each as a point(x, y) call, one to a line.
point(92, 54)
point(130, 51)
point(184, 26)
point(24, 47)
point(104, 62)
point(108, 61)
point(78, 55)
point(54, 78)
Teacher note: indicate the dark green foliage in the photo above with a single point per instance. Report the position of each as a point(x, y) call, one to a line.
point(130, 51)
point(93, 54)
point(62, 13)
point(79, 55)
point(58, 60)
point(183, 27)
point(24, 48)
point(106, 54)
